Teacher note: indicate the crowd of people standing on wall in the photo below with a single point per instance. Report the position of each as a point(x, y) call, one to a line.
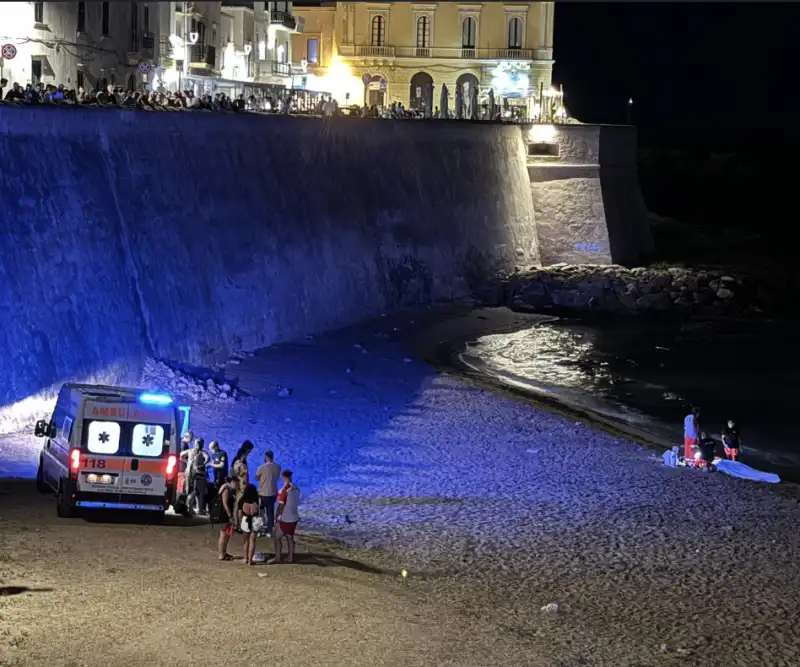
point(116, 97)
point(235, 503)
point(288, 102)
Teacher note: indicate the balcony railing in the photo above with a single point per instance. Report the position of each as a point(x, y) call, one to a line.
point(280, 69)
point(375, 51)
point(445, 53)
point(202, 55)
point(514, 54)
point(283, 18)
point(165, 53)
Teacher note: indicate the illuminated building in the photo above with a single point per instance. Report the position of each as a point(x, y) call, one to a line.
point(88, 44)
point(384, 52)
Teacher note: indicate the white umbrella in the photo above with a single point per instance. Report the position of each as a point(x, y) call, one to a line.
point(459, 102)
point(444, 101)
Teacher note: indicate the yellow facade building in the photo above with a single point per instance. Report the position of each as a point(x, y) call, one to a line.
point(383, 52)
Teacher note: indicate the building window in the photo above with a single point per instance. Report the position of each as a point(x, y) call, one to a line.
point(515, 33)
point(469, 29)
point(105, 17)
point(134, 27)
point(36, 71)
point(286, 52)
point(79, 79)
point(312, 50)
point(282, 6)
point(146, 19)
point(423, 32)
point(38, 12)
point(378, 30)
point(201, 34)
point(81, 17)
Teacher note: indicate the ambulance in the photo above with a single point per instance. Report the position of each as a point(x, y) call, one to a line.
point(111, 448)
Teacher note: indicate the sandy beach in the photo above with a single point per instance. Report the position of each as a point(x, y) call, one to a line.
point(495, 507)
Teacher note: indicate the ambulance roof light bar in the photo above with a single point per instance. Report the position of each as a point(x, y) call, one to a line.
point(155, 399)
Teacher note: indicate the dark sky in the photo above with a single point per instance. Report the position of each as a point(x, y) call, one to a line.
point(719, 65)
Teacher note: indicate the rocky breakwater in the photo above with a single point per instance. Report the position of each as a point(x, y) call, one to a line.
point(616, 289)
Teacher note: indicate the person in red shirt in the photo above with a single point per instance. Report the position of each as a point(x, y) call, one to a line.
point(287, 517)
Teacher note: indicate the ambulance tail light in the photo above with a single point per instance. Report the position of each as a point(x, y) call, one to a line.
point(74, 462)
point(172, 466)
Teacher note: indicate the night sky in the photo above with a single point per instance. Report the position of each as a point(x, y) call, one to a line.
point(686, 65)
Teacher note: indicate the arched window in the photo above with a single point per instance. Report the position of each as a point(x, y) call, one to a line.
point(378, 31)
point(469, 29)
point(515, 33)
point(423, 32)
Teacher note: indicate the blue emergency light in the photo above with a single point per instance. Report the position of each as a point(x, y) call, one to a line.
point(155, 399)
point(184, 410)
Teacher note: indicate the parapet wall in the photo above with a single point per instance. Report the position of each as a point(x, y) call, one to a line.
point(190, 236)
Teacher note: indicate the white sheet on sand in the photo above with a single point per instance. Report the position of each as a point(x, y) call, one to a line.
point(742, 471)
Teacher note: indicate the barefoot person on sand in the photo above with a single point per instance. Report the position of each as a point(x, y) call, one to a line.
point(249, 510)
point(240, 470)
point(691, 430)
point(226, 494)
point(287, 516)
point(731, 440)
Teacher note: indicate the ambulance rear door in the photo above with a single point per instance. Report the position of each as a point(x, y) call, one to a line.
point(134, 440)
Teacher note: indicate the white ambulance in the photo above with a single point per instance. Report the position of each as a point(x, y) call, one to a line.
point(111, 448)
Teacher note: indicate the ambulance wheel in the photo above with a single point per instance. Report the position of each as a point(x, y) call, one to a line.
point(64, 507)
point(41, 486)
point(158, 517)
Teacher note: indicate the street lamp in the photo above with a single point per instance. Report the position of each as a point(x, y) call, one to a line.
point(630, 109)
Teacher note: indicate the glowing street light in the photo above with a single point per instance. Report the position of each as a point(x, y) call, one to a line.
point(630, 109)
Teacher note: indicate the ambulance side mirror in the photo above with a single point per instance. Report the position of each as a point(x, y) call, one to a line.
point(42, 429)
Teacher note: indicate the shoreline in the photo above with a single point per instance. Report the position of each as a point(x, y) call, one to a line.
point(446, 356)
point(457, 330)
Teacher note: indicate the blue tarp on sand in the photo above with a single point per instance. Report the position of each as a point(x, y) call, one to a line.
point(742, 471)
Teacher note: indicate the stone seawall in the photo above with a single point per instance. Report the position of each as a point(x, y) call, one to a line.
point(586, 197)
point(128, 235)
point(183, 236)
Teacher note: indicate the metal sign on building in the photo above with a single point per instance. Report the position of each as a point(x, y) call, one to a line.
point(9, 52)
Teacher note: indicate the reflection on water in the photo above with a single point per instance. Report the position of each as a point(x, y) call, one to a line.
point(649, 373)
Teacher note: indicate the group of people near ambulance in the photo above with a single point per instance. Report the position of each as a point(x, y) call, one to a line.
point(699, 448)
point(236, 504)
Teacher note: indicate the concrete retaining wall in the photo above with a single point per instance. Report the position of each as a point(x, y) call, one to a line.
point(190, 236)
